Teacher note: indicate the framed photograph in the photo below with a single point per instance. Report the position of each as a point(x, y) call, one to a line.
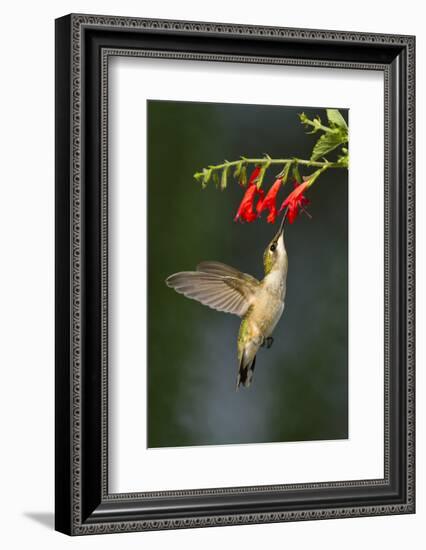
point(234, 274)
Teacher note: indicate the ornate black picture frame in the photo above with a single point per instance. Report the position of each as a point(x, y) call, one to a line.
point(84, 43)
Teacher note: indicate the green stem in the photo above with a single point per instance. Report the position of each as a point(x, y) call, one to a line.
point(318, 126)
point(304, 162)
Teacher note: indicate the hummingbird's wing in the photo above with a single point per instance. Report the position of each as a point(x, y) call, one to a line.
point(220, 287)
point(218, 268)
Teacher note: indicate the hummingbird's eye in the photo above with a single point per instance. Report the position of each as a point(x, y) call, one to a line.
point(273, 247)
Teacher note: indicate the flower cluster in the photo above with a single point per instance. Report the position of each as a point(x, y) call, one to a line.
point(248, 211)
point(333, 140)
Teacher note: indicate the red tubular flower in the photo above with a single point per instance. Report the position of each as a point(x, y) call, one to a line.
point(254, 175)
point(295, 200)
point(269, 202)
point(246, 209)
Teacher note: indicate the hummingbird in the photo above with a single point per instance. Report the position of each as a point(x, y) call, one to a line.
point(260, 304)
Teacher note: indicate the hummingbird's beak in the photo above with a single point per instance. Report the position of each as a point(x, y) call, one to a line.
point(281, 229)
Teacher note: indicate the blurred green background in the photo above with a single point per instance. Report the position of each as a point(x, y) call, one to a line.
point(300, 387)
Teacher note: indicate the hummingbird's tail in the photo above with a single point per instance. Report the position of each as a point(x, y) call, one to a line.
point(245, 372)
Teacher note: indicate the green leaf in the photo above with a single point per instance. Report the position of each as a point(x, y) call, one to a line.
point(336, 120)
point(243, 175)
point(315, 123)
point(207, 173)
point(224, 178)
point(328, 142)
point(199, 176)
point(285, 172)
point(262, 172)
point(303, 118)
point(203, 176)
point(216, 178)
point(296, 173)
point(343, 160)
point(237, 170)
point(310, 179)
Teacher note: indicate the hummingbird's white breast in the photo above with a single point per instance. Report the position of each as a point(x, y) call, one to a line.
point(269, 303)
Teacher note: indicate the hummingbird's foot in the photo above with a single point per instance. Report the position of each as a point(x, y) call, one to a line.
point(269, 341)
